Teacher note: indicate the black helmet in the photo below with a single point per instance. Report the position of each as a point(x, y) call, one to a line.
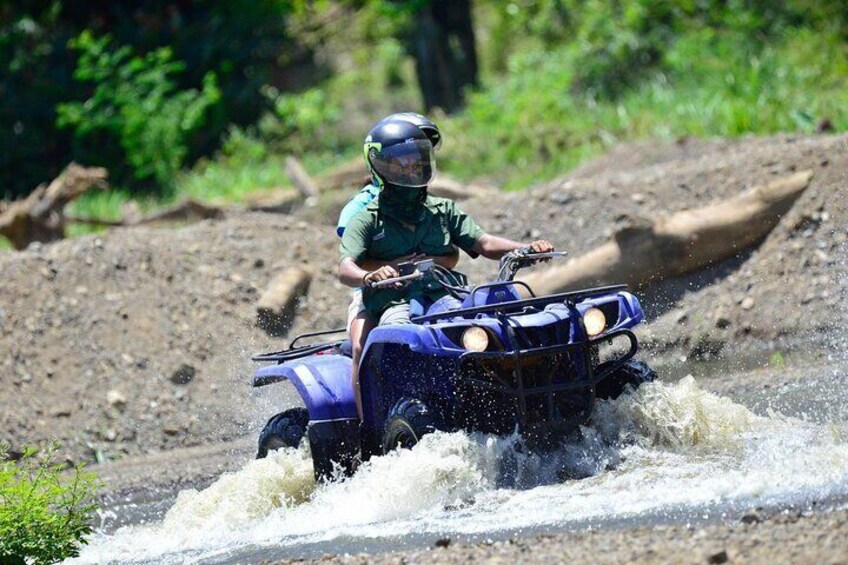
point(400, 154)
point(430, 129)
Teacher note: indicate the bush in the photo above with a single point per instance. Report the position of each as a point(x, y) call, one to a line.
point(43, 518)
point(136, 102)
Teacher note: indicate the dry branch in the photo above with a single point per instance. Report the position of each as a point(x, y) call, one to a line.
point(301, 180)
point(642, 252)
point(275, 309)
point(41, 215)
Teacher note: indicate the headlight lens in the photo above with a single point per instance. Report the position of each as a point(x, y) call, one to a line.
point(595, 321)
point(475, 339)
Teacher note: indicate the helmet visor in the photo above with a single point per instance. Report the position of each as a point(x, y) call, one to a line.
point(406, 164)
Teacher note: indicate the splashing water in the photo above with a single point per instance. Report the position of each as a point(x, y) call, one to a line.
point(661, 450)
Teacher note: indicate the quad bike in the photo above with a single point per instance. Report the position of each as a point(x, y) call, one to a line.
point(481, 359)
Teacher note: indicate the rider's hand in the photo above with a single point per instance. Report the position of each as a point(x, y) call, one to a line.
point(381, 274)
point(542, 246)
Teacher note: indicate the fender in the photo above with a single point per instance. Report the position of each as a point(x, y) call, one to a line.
point(323, 382)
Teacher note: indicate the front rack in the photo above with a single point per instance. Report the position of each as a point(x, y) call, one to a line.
point(573, 296)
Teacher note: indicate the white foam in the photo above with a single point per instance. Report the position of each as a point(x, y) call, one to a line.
point(672, 447)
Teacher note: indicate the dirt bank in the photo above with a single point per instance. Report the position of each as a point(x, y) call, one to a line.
point(138, 340)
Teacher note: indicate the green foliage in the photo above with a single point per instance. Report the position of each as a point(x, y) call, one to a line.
point(136, 102)
point(244, 43)
point(718, 70)
point(43, 518)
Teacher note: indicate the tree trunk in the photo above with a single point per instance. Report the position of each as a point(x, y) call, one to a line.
point(445, 55)
point(642, 253)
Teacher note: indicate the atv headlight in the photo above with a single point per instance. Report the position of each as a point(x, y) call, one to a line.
point(475, 339)
point(595, 321)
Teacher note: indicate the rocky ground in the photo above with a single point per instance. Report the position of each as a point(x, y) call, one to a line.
point(138, 340)
point(134, 345)
point(787, 537)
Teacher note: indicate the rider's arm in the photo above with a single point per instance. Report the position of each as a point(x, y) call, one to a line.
point(494, 247)
point(353, 248)
point(351, 274)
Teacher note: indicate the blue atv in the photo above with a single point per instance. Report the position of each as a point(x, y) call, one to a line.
point(481, 359)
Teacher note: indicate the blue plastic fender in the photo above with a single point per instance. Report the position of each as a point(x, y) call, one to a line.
point(323, 382)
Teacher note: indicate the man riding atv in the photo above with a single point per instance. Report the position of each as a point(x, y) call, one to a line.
point(445, 356)
point(403, 223)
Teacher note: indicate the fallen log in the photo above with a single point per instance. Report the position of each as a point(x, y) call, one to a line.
point(641, 252)
point(275, 309)
point(186, 211)
point(41, 215)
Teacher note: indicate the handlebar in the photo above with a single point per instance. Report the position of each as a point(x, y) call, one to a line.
point(420, 268)
point(392, 281)
point(509, 266)
point(513, 261)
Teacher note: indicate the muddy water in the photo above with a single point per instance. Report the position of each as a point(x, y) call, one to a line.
point(669, 452)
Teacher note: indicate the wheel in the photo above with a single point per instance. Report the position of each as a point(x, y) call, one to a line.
point(408, 421)
point(286, 429)
point(633, 373)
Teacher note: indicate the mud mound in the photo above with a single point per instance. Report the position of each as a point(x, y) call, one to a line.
point(139, 340)
point(794, 286)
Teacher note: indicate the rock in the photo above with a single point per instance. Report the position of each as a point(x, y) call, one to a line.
point(638, 197)
point(170, 430)
point(116, 398)
point(62, 412)
point(561, 198)
point(747, 303)
point(751, 518)
point(720, 557)
point(183, 375)
point(442, 542)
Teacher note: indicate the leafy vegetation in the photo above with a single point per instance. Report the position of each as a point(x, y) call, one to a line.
point(43, 517)
point(561, 80)
point(135, 101)
point(564, 80)
point(243, 43)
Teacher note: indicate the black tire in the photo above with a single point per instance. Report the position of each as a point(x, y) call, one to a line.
point(286, 429)
point(633, 373)
point(408, 421)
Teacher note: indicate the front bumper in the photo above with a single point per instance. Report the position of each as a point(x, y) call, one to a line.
point(548, 387)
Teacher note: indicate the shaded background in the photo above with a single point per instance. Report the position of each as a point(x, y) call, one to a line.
point(206, 98)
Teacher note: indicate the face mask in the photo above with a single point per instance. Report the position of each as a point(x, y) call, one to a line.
point(405, 204)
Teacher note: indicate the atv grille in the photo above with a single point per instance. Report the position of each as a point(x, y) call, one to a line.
point(491, 386)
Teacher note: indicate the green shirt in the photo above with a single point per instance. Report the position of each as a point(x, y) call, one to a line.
point(372, 234)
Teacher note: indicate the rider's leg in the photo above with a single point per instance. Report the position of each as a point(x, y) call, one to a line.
point(360, 326)
point(398, 314)
point(359, 323)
